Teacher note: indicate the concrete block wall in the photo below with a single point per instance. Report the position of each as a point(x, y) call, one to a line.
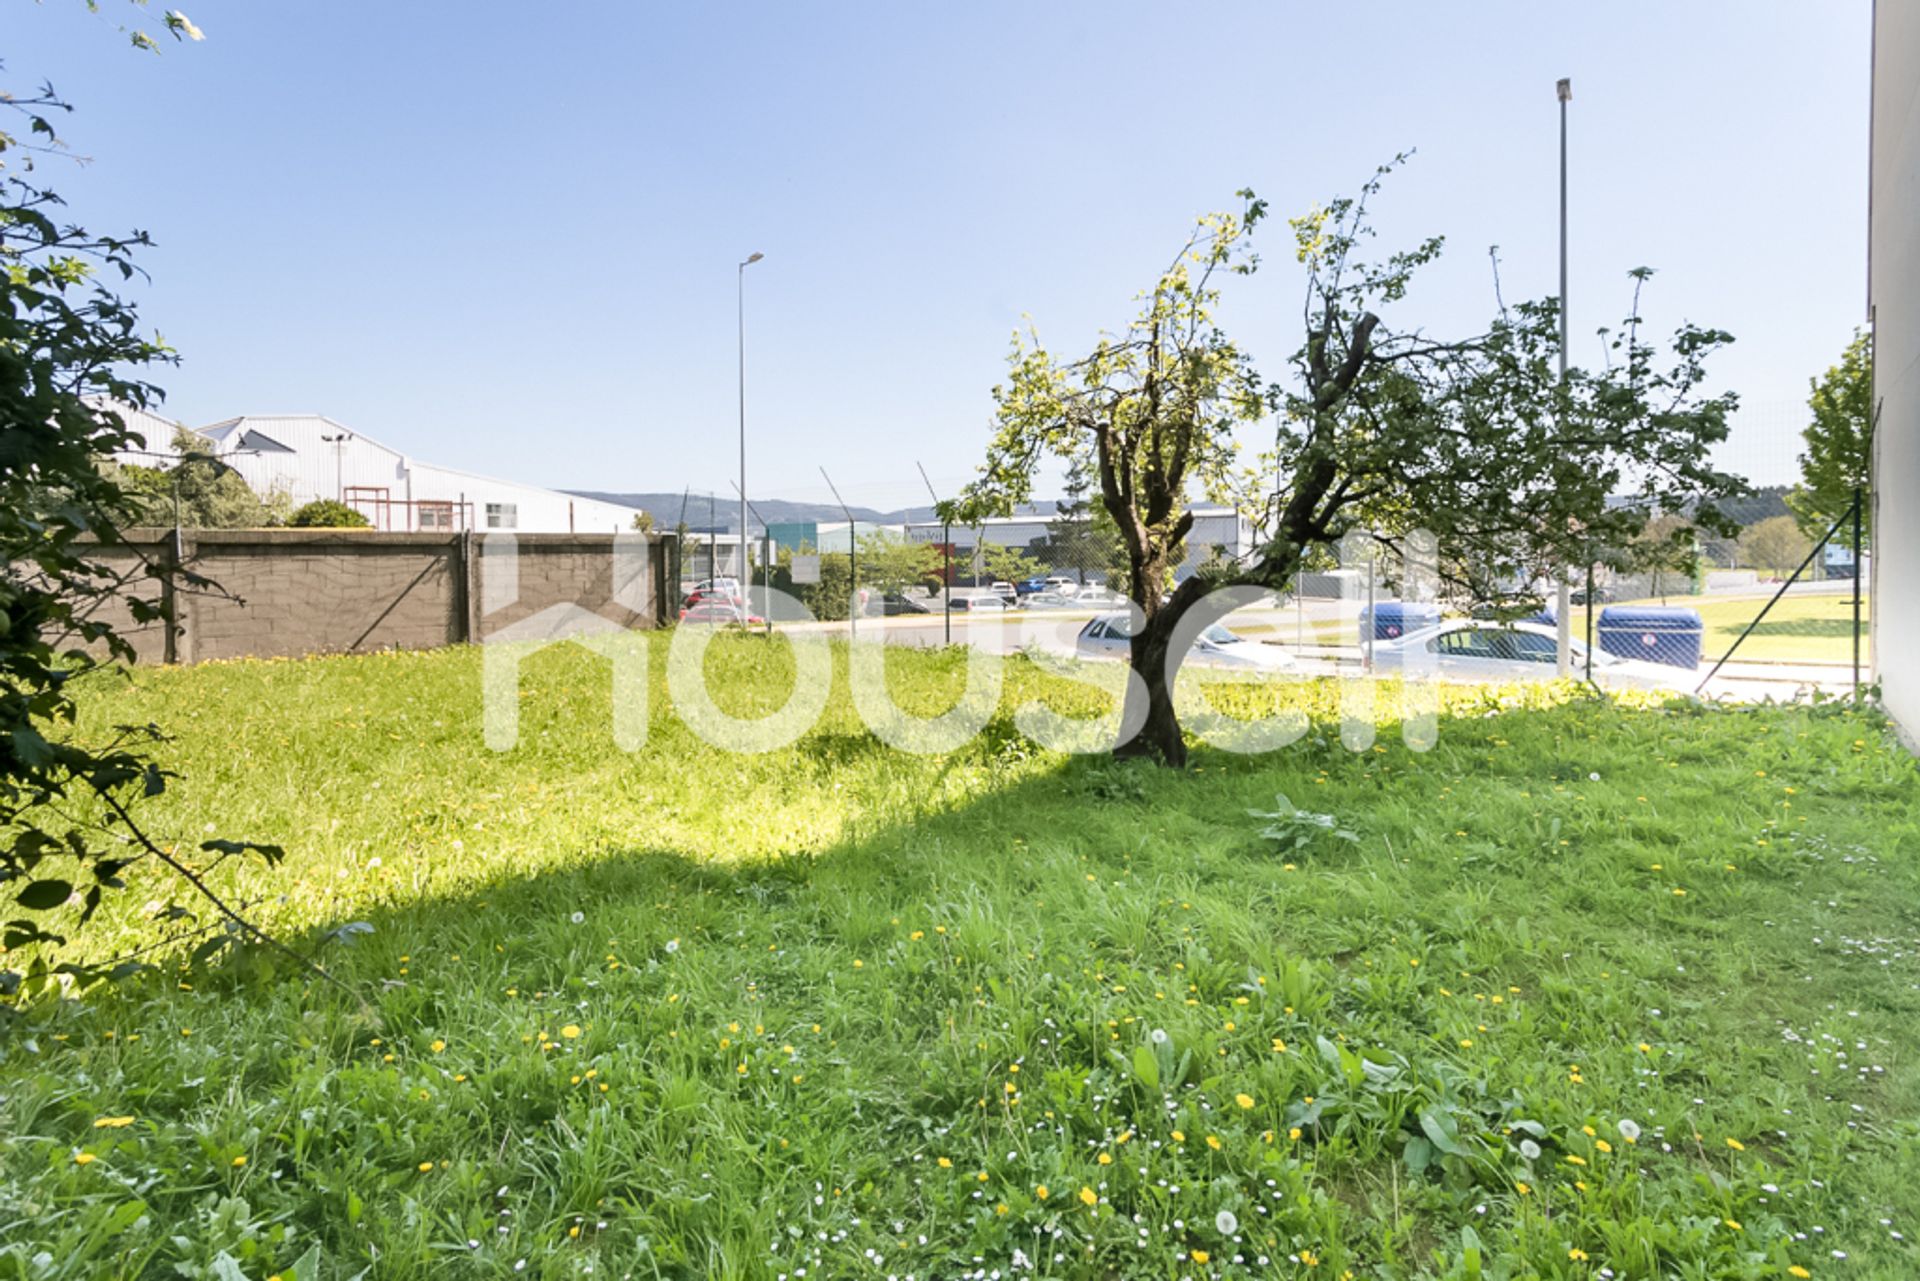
point(291, 592)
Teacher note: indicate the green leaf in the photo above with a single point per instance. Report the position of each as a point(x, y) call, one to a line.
point(1443, 1131)
point(1146, 1069)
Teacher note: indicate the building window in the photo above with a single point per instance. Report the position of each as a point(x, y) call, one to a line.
point(436, 516)
point(502, 516)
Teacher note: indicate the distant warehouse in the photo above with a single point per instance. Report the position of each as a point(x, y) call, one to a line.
point(304, 457)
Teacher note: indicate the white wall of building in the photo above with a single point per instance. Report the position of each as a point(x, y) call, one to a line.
point(310, 456)
point(1894, 303)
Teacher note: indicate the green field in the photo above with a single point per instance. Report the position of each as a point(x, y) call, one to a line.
point(1801, 628)
point(685, 1014)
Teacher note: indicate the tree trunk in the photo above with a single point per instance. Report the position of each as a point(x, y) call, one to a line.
point(1160, 737)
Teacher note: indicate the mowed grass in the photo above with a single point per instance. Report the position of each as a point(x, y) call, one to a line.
point(680, 1013)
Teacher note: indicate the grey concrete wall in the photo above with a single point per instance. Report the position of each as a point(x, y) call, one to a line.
point(290, 592)
point(1894, 291)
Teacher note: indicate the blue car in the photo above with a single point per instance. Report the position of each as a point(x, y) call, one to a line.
point(1028, 586)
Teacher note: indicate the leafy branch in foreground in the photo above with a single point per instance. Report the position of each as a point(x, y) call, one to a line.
point(70, 352)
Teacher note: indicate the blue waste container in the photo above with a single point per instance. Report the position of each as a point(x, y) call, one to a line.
point(1652, 633)
point(1392, 619)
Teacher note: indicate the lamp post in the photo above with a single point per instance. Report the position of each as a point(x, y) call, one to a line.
point(1563, 600)
point(339, 443)
point(741, 297)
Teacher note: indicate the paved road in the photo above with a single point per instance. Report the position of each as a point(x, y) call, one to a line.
point(1056, 631)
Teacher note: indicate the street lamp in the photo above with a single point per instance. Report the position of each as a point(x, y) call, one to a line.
point(742, 305)
point(339, 443)
point(1563, 600)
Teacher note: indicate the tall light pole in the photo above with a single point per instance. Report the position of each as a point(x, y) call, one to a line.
point(339, 443)
point(745, 573)
point(1563, 600)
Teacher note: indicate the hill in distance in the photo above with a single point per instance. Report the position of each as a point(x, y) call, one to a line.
point(723, 515)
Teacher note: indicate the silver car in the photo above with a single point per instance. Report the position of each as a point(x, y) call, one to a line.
point(1482, 650)
point(1111, 636)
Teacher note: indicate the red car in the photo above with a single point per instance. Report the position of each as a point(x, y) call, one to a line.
point(722, 613)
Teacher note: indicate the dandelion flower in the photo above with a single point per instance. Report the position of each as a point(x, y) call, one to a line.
point(239, 1161)
point(438, 1047)
point(1797, 1271)
point(1523, 1188)
point(1736, 1145)
point(425, 1166)
point(1225, 1223)
point(1200, 1256)
point(578, 918)
point(113, 1123)
point(1244, 1100)
point(83, 1158)
point(1294, 1134)
point(1629, 1130)
point(1089, 1197)
point(946, 1163)
point(1213, 1141)
point(1158, 1036)
point(571, 1031)
point(1577, 1255)
point(1042, 1192)
point(1529, 1149)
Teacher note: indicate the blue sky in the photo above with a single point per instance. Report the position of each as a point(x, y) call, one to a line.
point(504, 238)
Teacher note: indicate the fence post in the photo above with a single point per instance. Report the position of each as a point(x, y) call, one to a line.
point(468, 567)
point(1856, 591)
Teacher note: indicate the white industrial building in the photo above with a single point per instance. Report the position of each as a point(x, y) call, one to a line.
point(305, 457)
point(1893, 304)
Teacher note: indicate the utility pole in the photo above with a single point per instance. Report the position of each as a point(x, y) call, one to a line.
point(946, 547)
point(853, 561)
point(741, 298)
point(1562, 621)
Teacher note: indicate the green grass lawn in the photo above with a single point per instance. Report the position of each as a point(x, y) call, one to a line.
point(1809, 628)
point(836, 1009)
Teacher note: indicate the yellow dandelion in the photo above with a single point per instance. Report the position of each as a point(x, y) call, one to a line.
point(113, 1123)
point(1200, 1256)
point(1244, 1100)
point(83, 1158)
point(1736, 1145)
point(239, 1161)
point(1042, 1192)
point(425, 1166)
point(571, 1031)
point(1089, 1197)
point(1213, 1142)
point(946, 1163)
point(438, 1047)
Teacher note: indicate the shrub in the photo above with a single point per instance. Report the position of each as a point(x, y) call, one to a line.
point(327, 513)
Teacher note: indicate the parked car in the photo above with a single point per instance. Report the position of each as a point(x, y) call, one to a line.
point(1028, 586)
point(977, 602)
point(1004, 590)
point(1486, 650)
point(1050, 600)
point(717, 612)
point(1111, 636)
point(725, 589)
point(892, 603)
